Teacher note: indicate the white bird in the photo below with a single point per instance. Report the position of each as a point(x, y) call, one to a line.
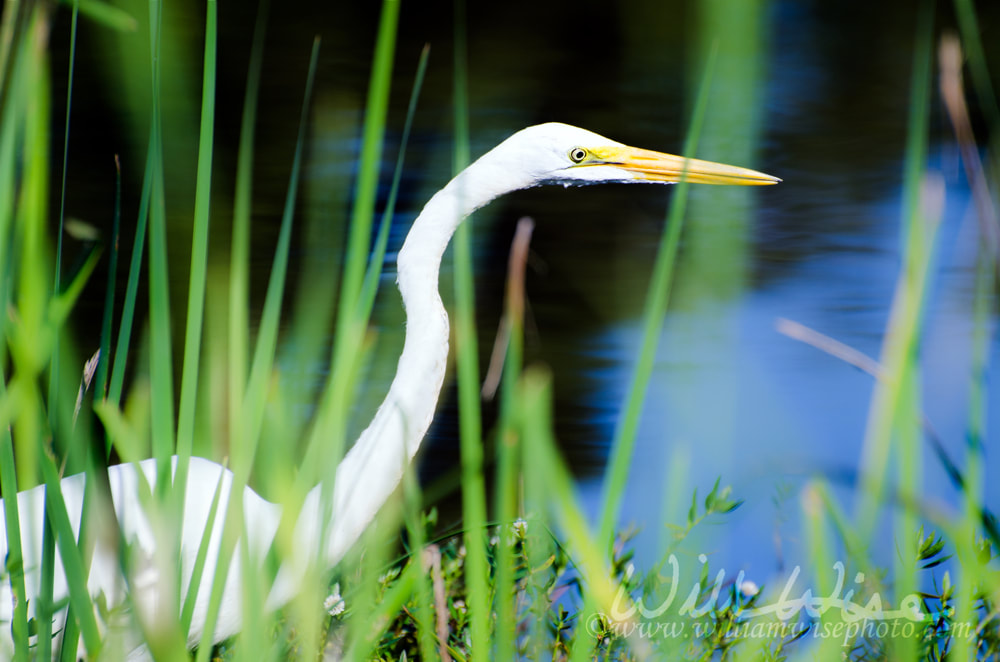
point(545, 154)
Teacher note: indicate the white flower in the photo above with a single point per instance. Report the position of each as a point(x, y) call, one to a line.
point(334, 603)
point(520, 527)
point(749, 588)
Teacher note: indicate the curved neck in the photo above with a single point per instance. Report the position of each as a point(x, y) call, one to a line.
point(374, 466)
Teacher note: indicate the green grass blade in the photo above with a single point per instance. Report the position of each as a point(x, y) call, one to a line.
point(73, 569)
point(267, 337)
point(508, 443)
point(101, 378)
point(424, 590)
point(9, 120)
point(199, 255)
point(132, 286)
point(11, 31)
point(44, 609)
point(238, 316)
point(57, 280)
point(657, 296)
point(30, 356)
point(239, 250)
point(326, 443)
point(198, 569)
point(62, 304)
point(903, 331)
point(370, 286)
point(161, 347)
point(467, 357)
point(550, 486)
point(363, 213)
point(59, 310)
point(816, 509)
point(13, 564)
point(262, 363)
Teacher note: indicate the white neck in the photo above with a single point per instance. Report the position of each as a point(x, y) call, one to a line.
point(374, 466)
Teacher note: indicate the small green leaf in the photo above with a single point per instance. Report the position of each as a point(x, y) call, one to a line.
point(710, 499)
point(693, 512)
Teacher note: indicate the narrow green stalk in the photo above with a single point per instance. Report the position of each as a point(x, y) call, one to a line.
point(10, 119)
point(44, 609)
point(76, 578)
point(326, 444)
point(239, 248)
point(376, 108)
point(370, 286)
point(903, 331)
point(264, 355)
point(198, 568)
point(657, 296)
point(34, 295)
point(815, 504)
point(253, 404)
point(77, 433)
point(425, 612)
point(132, 286)
point(14, 563)
point(238, 331)
point(11, 31)
point(910, 467)
point(551, 487)
point(199, 252)
point(238, 321)
point(508, 445)
point(267, 335)
point(57, 280)
point(160, 367)
point(467, 353)
point(508, 448)
point(101, 378)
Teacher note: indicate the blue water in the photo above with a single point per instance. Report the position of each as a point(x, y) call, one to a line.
point(737, 400)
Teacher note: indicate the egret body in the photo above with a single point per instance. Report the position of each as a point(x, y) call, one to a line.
point(372, 469)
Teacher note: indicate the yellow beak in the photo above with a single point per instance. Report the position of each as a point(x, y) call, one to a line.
point(657, 167)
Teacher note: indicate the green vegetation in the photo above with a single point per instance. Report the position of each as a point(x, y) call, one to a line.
point(540, 581)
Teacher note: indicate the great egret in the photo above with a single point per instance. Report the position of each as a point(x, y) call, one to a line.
point(545, 154)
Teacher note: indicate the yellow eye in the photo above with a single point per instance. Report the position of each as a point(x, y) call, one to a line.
point(577, 154)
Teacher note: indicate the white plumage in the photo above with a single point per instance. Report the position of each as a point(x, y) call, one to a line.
point(371, 470)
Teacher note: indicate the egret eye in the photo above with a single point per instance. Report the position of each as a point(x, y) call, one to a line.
point(577, 154)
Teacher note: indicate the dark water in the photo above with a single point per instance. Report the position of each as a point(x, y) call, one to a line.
point(815, 93)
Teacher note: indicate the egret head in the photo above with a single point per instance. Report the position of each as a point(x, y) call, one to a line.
point(557, 153)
